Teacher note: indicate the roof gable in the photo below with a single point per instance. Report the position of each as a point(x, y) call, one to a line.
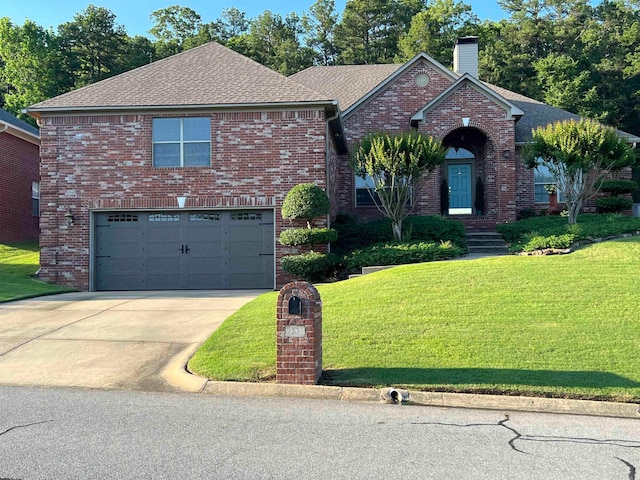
point(208, 75)
point(512, 110)
point(398, 73)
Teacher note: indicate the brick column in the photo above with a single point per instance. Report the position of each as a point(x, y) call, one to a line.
point(299, 334)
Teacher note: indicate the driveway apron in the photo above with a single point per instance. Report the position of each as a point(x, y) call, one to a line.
point(114, 340)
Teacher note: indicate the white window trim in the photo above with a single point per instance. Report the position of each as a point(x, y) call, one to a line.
point(180, 142)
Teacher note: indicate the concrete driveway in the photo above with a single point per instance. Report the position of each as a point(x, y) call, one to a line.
point(119, 340)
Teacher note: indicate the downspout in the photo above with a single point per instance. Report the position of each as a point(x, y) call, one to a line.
point(326, 159)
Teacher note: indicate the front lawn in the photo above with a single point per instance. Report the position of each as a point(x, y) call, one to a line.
point(18, 264)
point(563, 326)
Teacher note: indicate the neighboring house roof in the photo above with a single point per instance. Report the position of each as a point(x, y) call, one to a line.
point(351, 85)
point(210, 75)
point(19, 128)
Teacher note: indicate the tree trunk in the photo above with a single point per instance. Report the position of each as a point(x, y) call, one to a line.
point(574, 210)
point(396, 226)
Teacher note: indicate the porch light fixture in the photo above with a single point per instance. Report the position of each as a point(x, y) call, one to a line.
point(181, 201)
point(506, 154)
point(68, 216)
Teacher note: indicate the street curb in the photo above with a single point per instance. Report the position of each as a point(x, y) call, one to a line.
point(431, 399)
point(526, 404)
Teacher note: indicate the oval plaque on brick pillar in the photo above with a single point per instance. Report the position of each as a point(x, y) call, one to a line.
point(299, 334)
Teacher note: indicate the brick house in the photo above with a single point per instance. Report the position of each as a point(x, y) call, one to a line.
point(20, 179)
point(171, 176)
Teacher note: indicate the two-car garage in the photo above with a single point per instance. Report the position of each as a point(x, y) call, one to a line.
point(178, 249)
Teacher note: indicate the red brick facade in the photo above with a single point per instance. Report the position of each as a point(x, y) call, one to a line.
point(391, 111)
point(93, 163)
point(19, 161)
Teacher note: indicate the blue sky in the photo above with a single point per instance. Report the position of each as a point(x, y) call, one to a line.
point(134, 14)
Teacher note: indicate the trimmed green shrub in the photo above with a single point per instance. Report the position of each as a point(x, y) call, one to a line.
point(305, 201)
point(353, 235)
point(308, 236)
point(589, 226)
point(401, 253)
point(617, 187)
point(526, 213)
point(539, 242)
point(613, 204)
point(312, 266)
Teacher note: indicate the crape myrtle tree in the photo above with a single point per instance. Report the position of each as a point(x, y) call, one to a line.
point(397, 165)
point(579, 154)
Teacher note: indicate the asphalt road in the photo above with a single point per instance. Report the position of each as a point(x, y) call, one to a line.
point(51, 433)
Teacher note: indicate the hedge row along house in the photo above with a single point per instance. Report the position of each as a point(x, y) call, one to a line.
point(172, 175)
point(20, 179)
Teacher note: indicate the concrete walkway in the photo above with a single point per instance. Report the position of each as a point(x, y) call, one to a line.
point(120, 340)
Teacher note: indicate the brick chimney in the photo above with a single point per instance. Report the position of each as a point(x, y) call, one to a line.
point(465, 56)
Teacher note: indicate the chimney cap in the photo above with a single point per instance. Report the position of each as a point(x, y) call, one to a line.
point(466, 40)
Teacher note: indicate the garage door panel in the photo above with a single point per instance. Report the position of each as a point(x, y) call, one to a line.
point(163, 265)
point(119, 282)
point(163, 282)
point(246, 249)
point(206, 281)
point(205, 265)
point(123, 265)
point(184, 250)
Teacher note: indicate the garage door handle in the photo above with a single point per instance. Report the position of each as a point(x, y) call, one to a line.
point(266, 254)
point(184, 249)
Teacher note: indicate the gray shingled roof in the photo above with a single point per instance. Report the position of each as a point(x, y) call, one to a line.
point(345, 83)
point(350, 83)
point(6, 117)
point(207, 75)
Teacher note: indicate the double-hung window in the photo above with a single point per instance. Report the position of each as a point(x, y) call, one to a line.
point(182, 142)
point(35, 198)
point(364, 189)
point(542, 178)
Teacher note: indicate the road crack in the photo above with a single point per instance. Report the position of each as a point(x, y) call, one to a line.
point(632, 469)
point(26, 425)
point(545, 438)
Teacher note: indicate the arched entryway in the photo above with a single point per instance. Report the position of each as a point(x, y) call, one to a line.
point(464, 171)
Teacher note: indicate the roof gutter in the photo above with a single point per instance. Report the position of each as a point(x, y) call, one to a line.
point(19, 132)
point(337, 129)
point(37, 112)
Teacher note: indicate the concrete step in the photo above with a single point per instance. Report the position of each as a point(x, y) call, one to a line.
point(490, 250)
point(485, 242)
point(488, 243)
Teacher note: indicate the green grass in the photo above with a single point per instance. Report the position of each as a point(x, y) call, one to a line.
point(18, 264)
point(564, 326)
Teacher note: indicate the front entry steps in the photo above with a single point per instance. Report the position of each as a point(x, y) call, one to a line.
point(489, 243)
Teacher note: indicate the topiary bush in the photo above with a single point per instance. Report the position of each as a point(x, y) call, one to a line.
point(618, 187)
point(400, 254)
point(305, 201)
point(308, 236)
point(613, 204)
point(312, 266)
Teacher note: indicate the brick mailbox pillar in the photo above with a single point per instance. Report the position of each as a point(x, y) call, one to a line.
point(299, 334)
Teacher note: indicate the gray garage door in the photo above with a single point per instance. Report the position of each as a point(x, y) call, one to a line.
point(184, 250)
